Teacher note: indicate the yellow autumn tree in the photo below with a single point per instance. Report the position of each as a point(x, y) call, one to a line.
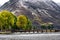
point(8, 19)
point(21, 22)
point(1, 23)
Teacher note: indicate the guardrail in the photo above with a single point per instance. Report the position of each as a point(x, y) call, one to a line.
point(36, 31)
point(33, 31)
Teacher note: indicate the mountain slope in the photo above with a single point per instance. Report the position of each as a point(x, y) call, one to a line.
point(39, 11)
point(58, 4)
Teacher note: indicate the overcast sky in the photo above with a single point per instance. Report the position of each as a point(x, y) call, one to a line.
point(3, 1)
point(56, 1)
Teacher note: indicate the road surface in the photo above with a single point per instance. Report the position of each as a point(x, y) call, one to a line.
point(44, 36)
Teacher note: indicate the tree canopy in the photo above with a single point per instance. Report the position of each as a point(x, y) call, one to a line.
point(23, 22)
point(8, 19)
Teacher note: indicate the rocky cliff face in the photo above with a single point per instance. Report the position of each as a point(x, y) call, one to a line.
point(39, 11)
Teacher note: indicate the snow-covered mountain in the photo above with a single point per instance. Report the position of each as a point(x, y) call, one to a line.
point(39, 11)
point(58, 4)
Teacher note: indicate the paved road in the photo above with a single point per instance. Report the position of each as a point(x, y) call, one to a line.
point(47, 36)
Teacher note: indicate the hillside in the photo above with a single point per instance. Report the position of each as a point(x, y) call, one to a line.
point(38, 11)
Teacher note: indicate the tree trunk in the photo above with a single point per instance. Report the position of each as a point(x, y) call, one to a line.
point(1, 28)
point(50, 30)
point(42, 31)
